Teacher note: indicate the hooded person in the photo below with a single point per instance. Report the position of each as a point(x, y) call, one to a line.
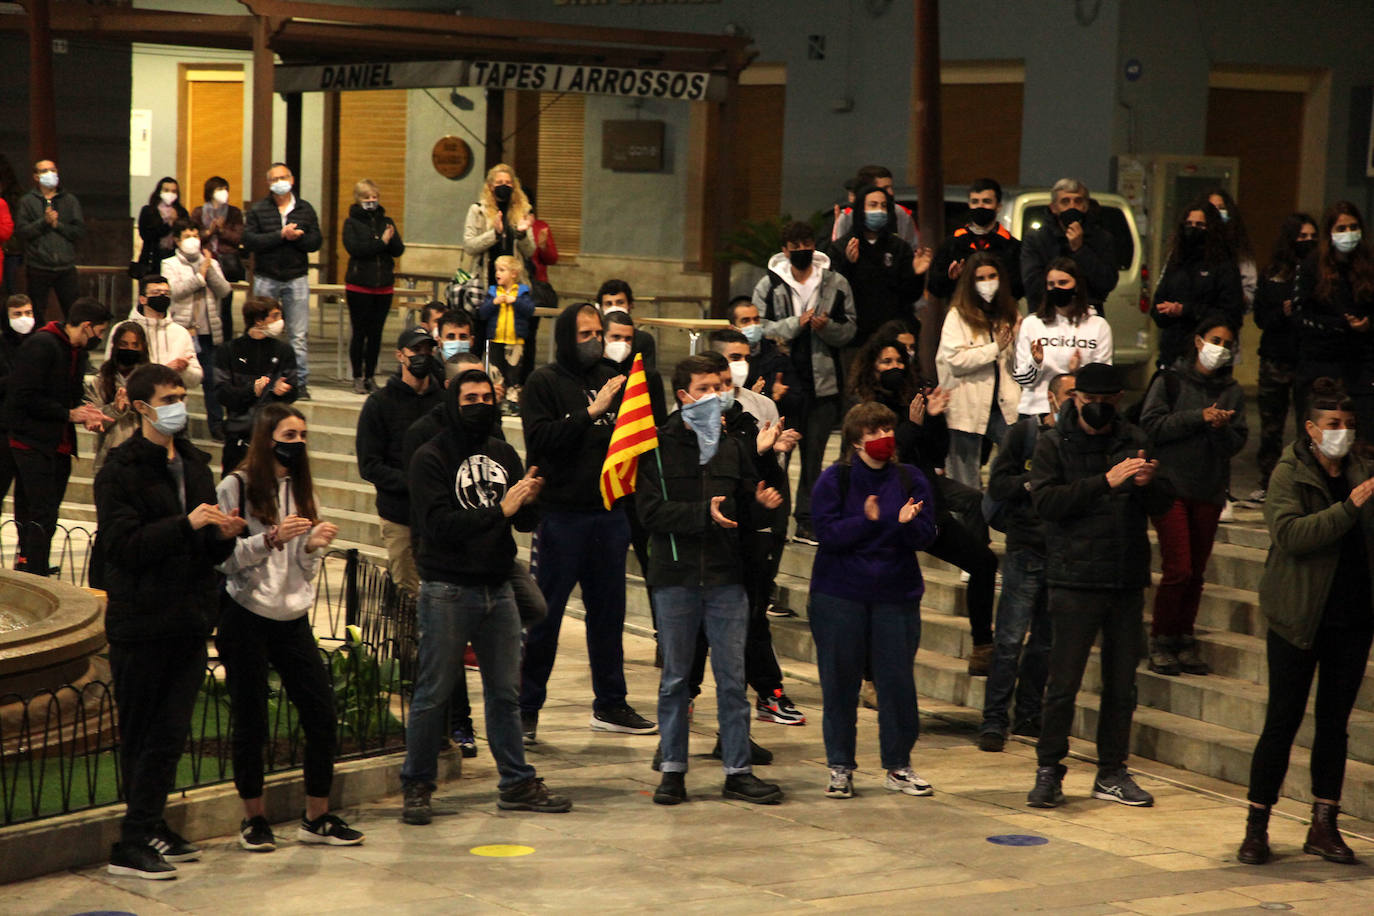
point(885, 273)
point(568, 410)
point(470, 491)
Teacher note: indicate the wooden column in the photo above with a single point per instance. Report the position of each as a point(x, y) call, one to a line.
point(42, 105)
point(329, 188)
point(720, 210)
point(293, 133)
point(930, 182)
point(262, 105)
point(496, 124)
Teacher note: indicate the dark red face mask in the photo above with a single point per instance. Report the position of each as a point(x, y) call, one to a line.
point(882, 448)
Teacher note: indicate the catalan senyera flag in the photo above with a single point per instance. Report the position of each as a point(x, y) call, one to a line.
point(633, 436)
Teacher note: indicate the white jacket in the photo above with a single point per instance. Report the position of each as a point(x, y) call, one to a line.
point(969, 365)
point(195, 299)
point(167, 341)
point(1091, 337)
point(276, 584)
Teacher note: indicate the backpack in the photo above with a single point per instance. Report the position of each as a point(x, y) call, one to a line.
point(1171, 388)
point(995, 510)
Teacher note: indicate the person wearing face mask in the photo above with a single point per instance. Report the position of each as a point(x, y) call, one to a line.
point(981, 232)
point(453, 331)
point(107, 391)
point(253, 370)
point(221, 235)
point(1278, 348)
point(270, 585)
point(160, 532)
point(414, 390)
point(19, 325)
point(878, 176)
point(1094, 490)
point(615, 295)
point(470, 491)
point(1316, 597)
point(568, 410)
point(1335, 307)
point(282, 231)
point(1200, 278)
point(770, 369)
point(155, 226)
point(1069, 233)
point(701, 487)
point(866, 590)
point(497, 224)
point(45, 397)
point(49, 222)
point(168, 342)
point(198, 286)
point(1237, 240)
point(886, 275)
point(373, 243)
point(808, 307)
point(1063, 334)
point(1194, 414)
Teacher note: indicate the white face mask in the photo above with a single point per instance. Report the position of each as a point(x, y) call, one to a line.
point(48, 179)
point(1214, 356)
point(23, 324)
point(190, 247)
point(274, 328)
point(280, 187)
point(986, 288)
point(168, 197)
point(617, 351)
point(739, 371)
point(369, 204)
point(1345, 242)
point(221, 197)
point(1335, 443)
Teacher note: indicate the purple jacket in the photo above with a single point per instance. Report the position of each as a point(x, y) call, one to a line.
point(867, 561)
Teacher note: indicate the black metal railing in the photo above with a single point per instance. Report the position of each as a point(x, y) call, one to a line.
point(68, 555)
point(59, 749)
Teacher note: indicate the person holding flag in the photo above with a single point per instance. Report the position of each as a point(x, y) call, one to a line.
point(693, 496)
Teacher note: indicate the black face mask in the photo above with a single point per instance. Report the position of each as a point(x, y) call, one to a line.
point(502, 193)
point(420, 366)
point(1192, 238)
point(1304, 247)
point(1070, 216)
point(982, 217)
point(1059, 297)
point(892, 379)
point(159, 303)
point(128, 357)
point(288, 454)
point(589, 352)
point(1098, 414)
point(94, 344)
point(801, 257)
point(477, 420)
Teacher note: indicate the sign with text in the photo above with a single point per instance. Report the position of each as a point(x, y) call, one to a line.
point(386, 75)
point(632, 146)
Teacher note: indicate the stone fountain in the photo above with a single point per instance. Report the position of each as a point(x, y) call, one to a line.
point(49, 633)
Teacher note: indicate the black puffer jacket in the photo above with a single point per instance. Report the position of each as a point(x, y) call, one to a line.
point(1095, 536)
point(371, 261)
point(1203, 289)
point(1096, 258)
point(273, 256)
point(686, 547)
point(386, 415)
point(159, 572)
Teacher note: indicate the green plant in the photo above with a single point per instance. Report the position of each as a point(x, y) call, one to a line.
point(755, 241)
point(363, 688)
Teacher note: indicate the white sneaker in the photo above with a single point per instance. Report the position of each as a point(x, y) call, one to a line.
point(1256, 496)
point(1228, 514)
point(908, 782)
point(841, 783)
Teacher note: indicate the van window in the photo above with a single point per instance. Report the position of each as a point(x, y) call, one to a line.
point(1108, 217)
point(956, 214)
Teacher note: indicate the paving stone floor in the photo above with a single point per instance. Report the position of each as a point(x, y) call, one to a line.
point(879, 852)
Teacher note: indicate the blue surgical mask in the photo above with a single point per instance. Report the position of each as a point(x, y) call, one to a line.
point(727, 399)
point(171, 418)
point(452, 348)
point(752, 333)
point(875, 219)
point(280, 187)
point(703, 417)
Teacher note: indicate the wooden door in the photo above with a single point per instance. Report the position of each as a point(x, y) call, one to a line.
point(1264, 130)
point(757, 180)
point(980, 132)
point(212, 135)
point(561, 136)
point(372, 144)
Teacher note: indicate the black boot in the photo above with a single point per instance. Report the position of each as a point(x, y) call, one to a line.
point(1254, 850)
point(1323, 839)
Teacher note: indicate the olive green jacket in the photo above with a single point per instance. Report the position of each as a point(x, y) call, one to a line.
point(1306, 529)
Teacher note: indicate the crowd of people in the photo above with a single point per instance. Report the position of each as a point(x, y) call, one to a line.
point(1021, 427)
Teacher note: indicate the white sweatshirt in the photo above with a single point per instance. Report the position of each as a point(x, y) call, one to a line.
point(1091, 337)
point(276, 584)
point(167, 341)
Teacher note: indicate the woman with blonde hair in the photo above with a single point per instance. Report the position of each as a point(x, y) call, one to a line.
point(974, 363)
point(498, 224)
point(373, 243)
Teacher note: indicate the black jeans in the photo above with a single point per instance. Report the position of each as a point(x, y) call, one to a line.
point(1078, 615)
point(957, 545)
point(819, 421)
point(510, 372)
point(8, 472)
point(247, 644)
point(61, 282)
point(1341, 654)
point(38, 496)
point(367, 312)
point(1277, 388)
point(155, 685)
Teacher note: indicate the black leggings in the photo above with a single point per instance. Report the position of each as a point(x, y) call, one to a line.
point(247, 643)
point(367, 313)
point(957, 545)
point(1341, 654)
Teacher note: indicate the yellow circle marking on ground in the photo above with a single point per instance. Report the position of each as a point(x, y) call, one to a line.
point(501, 851)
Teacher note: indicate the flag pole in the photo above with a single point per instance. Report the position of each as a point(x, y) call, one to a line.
point(663, 485)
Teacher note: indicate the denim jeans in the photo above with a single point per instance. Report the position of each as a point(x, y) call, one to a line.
point(886, 636)
point(294, 296)
point(205, 352)
point(1023, 608)
point(449, 617)
point(965, 457)
point(682, 612)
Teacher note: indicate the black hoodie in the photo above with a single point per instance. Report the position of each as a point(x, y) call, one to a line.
point(561, 439)
point(10, 342)
point(883, 279)
point(386, 415)
point(371, 261)
point(457, 484)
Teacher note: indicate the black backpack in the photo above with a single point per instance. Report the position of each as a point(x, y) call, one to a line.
point(1171, 388)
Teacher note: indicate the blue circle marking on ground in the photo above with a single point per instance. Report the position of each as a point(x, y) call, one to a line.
point(1017, 839)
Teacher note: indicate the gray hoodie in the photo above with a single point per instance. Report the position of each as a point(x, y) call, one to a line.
point(276, 584)
point(781, 299)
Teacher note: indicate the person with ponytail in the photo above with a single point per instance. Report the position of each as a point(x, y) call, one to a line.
point(265, 620)
point(1316, 597)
